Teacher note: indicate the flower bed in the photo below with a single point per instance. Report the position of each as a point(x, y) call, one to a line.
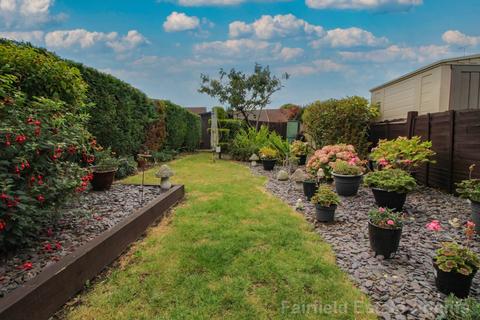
point(94, 213)
point(402, 287)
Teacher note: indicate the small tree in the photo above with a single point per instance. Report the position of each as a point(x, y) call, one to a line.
point(243, 93)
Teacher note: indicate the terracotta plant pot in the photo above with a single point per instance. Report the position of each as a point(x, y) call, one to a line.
point(453, 282)
point(325, 214)
point(476, 215)
point(309, 189)
point(102, 180)
point(346, 185)
point(268, 164)
point(384, 241)
point(388, 199)
point(302, 160)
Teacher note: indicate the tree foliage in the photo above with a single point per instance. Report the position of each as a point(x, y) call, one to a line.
point(243, 93)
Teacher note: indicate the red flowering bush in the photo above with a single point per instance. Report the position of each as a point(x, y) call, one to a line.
point(43, 147)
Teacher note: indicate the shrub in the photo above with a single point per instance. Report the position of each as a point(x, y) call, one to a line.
point(346, 168)
point(391, 180)
point(41, 146)
point(460, 309)
point(105, 160)
point(452, 257)
point(282, 146)
point(385, 218)
point(249, 141)
point(228, 129)
point(268, 153)
point(325, 197)
point(182, 127)
point(299, 148)
point(340, 121)
point(127, 166)
point(470, 189)
point(323, 158)
point(164, 155)
point(157, 133)
point(402, 153)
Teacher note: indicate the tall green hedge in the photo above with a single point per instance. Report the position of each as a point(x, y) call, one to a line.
point(120, 113)
point(182, 127)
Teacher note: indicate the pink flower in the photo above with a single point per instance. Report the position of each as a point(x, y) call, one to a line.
point(470, 224)
point(27, 266)
point(390, 222)
point(383, 162)
point(382, 210)
point(434, 226)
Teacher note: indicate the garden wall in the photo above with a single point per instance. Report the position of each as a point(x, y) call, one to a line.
point(455, 137)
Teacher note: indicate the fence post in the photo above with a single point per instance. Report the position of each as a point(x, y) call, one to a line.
point(451, 147)
point(411, 115)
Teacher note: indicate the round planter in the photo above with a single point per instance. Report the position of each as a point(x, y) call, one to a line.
point(453, 282)
point(309, 189)
point(384, 241)
point(269, 164)
point(346, 185)
point(103, 180)
point(476, 214)
point(325, 214)
point(302, 160)
point(389, 199)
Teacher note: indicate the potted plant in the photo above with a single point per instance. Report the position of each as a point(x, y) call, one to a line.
point(300, 150)
point(106, 165)
point(325, 201)
point(324, 157)
point(310, 186)
point(455, 266)
point(269, 158)
point(402, 153)
point(347, 176)
point(390, 187)
point(470, 189)
point(384, 231)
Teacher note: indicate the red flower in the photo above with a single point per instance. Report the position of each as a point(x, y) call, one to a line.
point(37, 131)
point(72, 150)
point(47, 247)
point(58, 151)
point(21, 138)
point(27, 266)
point(49, 232)
point(58, 245)
point(37, 123)
point(40, 198)
point(32, 179)
point(4, 196)
point(2, 225)
point(30, 120)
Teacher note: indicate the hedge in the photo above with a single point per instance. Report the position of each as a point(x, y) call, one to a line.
point(227, 129)
point(182, 127)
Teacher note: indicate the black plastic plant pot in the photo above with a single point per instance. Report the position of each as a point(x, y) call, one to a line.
point(268, 164)
point(346, 185)
point(103, 180)
point(476, 215)
point(389, 199)
point(384, 241)
point(453, 282)
point(309, 189)
point(325, 214)
point(302, 160)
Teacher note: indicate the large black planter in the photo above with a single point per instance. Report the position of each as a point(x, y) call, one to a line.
point(384, 241)
point(389, 199)
point(102, 180)
point(476, 215)
point(346, 185)
point(302, 160)
point(269, 164)
point(309, 189)
point(325, 214)
point(453, 282)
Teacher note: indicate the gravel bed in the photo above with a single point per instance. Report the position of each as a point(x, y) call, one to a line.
point(82, 220)
point(402, 287)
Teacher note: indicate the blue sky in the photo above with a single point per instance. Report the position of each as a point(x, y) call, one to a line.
point(331, 48)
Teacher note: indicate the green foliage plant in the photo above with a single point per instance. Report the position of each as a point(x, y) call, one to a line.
point(460, 309)
point(385, 218)
point(452, 257)
point(391, 180)
point(127, 166)
point(470, 189)
point(249, 141)
point(299, 148)
point(268, 153)
point(325, 197)
point(346, 168)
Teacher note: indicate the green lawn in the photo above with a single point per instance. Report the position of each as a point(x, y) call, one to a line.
point(230, 251)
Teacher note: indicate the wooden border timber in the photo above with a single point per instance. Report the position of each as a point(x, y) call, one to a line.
point(42, 296)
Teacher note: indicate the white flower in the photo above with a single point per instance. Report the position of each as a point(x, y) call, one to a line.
point(320, 173)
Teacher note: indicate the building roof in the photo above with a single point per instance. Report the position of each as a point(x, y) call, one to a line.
point(457, 60)
point(197, 110)
point(267, 115)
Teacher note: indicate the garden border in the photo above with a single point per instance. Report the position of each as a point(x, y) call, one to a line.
point(42, 296)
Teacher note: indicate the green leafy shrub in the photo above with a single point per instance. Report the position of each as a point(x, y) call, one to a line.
point(470, 189)
point(127, 166)
point(282, 146)
point(249, 141)
point(227, 129)
point(42, 145)
point(452, 257)
point(164, 155)
point(392, 180)
point(105, 160)
point(340, 121)
point(182, 127)
point(299, 148)
point(268, 153)
point(325, 196)
point(385, 218)
point(460, 309)
point(345, 168)
point(402, 153)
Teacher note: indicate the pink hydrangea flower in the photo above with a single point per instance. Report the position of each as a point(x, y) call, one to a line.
point(434, 226)
point(390, 222)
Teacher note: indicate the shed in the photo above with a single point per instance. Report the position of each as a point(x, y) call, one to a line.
point(450, 84)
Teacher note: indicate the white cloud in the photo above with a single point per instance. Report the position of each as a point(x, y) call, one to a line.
point(26, 36)
point(132, 40)
point(455, 37)
point(361, 4)
point(267, 27)
point(287, 54)
point(349, 37)
point(316, 66)
point(180, 22)
point(237, 47)
point(394, 53)
point(14, 13)
point(198, 3)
